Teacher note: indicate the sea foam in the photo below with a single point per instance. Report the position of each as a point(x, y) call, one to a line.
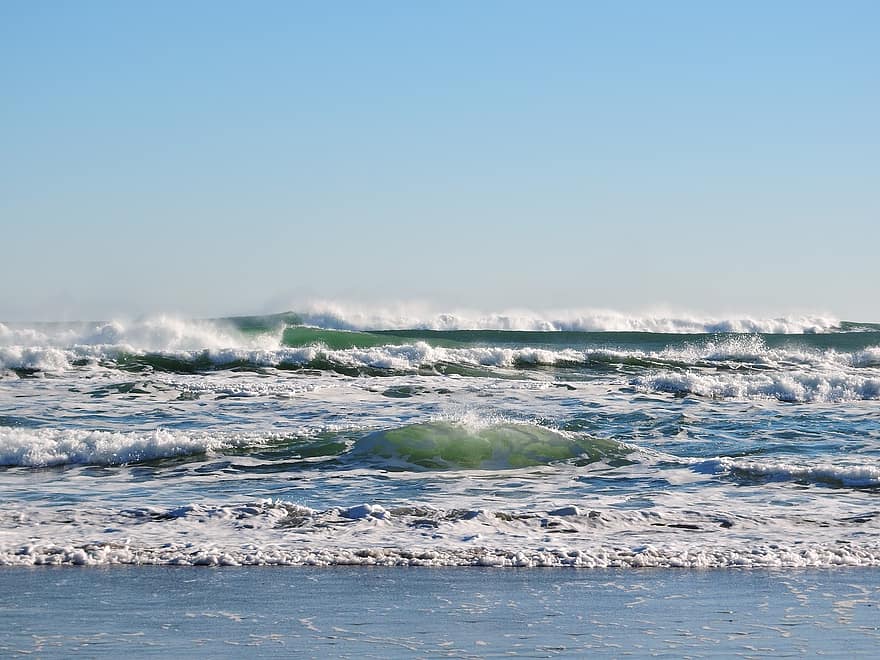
point(276, 532)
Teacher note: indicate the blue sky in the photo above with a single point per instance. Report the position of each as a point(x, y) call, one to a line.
point(218, 158)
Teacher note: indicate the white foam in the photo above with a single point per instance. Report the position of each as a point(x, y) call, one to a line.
point(280, 533)
point(362, 511)
point(47, 447)
point(239, 386)
point(56, 347)
point(796, 387)
point(156, 333)
point(34, 358)
point(821, 473)
point(761, 556)
point(869, 357)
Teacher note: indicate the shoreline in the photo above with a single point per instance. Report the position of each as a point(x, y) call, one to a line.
point(762, 557)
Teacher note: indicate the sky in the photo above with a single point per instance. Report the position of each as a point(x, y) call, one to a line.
point(214, 158)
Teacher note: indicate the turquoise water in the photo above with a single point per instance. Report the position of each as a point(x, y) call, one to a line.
point(326, 439)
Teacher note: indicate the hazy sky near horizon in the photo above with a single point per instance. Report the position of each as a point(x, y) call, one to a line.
point(216, 158)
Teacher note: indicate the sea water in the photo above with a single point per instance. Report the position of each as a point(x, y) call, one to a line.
point(334, 436)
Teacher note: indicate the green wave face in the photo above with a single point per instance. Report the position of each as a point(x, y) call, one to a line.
point(296, 336)
point(450, 446)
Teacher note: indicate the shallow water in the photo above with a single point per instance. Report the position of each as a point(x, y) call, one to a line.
point(266, 441)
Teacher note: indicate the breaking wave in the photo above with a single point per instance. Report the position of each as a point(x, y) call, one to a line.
point(789, 387)
point(159, 333)
point(332, 316)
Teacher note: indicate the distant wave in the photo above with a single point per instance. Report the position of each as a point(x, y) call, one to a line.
point(149, 334)
point(56, 347)
point(332, 316)
point(730, 367)
point(50, 346)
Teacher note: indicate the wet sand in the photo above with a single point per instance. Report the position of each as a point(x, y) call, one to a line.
point(405, 612)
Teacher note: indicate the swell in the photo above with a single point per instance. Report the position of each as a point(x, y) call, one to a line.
point(453, 445)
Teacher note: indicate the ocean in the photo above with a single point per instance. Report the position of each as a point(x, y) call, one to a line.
point(363, 437)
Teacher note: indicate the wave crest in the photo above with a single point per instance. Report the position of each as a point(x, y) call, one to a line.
point(53, 447)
